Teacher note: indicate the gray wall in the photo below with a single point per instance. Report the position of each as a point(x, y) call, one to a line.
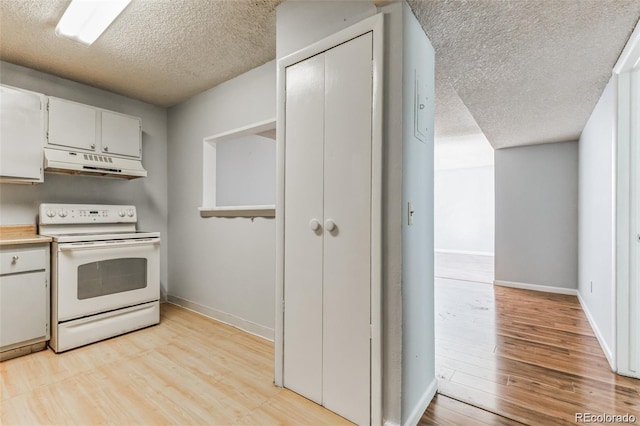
point(19, 203)
point(246, 171)
point(597, 216)
point(418, 339)
point(537, 215)
point(224, 265)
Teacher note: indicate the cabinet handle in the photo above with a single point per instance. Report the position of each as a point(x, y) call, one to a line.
point(329, 225)
point(93, 146)
point(106, 149)
point(14, 259)
point(314, 225)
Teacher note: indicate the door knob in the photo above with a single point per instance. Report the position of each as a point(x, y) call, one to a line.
point(329, 225)
point(314, 224)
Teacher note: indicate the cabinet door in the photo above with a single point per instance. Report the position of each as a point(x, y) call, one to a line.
point(21, 134)
point(23, 307)
point(347, 249)
point(121, 134)
point(72, 124)
point(303, 246)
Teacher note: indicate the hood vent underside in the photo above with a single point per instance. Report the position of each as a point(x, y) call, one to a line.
point(78, 163)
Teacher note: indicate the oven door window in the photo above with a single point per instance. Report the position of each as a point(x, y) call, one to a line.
point(112, 276)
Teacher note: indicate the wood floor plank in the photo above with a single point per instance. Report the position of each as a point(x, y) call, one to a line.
point(448, 411)
point(543, 346)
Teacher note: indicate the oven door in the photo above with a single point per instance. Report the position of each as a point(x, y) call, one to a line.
point(100, 276)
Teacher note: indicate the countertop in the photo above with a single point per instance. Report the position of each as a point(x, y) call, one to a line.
point(21, 234)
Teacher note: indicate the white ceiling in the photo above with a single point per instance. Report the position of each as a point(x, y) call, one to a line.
point(529, 71)
point(159, 51)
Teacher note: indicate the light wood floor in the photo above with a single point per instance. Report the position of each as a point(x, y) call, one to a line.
point(187, 370)
point(529, 356)
point(464, 267)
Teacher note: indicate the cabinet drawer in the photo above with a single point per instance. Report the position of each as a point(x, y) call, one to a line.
point(14, 261)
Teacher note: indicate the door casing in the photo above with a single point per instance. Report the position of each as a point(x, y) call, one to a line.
point(627, 250)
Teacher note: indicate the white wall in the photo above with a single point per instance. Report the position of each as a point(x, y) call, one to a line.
point(224, 266)
point(537, 215)
point(418, 339)
point(19, 203)
point(301, 23)
point(464, 210)
point(597, 217)
point(464, 194)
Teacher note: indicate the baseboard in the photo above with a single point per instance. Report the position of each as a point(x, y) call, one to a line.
point(390, 423)
point(229, 319)
point(416, 414)
point(537, 287)
point(473, 253)
point(603, 344)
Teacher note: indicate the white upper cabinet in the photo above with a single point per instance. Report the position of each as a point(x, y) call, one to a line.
point(22, 135)
point(83, 127)
point(72, 125)
point(120, 134)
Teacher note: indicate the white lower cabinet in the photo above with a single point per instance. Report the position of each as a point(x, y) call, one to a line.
point(24, 299)
point(327, 228)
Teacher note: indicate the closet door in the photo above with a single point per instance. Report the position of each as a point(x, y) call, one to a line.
point(327, 228)
point(304, 148)
point(347, 248)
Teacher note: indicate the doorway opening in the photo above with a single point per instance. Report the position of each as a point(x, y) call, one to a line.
point(464, 228)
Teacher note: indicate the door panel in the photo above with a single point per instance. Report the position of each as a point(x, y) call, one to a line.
point(303, 247)
point(84, 269)
point(72, 125)
point(21, 134)
point(634, 278)
point(347, 249)
point(120, 134)
point(23, 307)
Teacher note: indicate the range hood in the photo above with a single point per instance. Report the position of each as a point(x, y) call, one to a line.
point(80, 163)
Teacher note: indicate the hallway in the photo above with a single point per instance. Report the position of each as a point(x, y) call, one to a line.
point(528, 356)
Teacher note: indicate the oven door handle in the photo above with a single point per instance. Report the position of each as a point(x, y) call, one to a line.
point(101, 245)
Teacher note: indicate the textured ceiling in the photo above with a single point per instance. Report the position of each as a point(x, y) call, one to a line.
point(158, 51)
point(528, 71)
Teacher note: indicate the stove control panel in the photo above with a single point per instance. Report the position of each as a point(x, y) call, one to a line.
point(51, 214)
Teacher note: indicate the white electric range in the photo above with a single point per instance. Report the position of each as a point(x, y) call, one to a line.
point(105, 275)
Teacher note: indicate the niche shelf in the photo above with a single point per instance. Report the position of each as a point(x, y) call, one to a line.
point(239, 172)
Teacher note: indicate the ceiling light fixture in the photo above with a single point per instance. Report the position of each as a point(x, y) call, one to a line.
point(85, 20)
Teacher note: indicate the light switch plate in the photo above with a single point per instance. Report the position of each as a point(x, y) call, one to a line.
point(410, 213)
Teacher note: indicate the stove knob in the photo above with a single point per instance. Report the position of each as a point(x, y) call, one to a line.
point(121, 213)
point(130, 213)
point(62, 213)
point(51, 213)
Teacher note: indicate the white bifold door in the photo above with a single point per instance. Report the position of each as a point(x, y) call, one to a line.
point(327, 228)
